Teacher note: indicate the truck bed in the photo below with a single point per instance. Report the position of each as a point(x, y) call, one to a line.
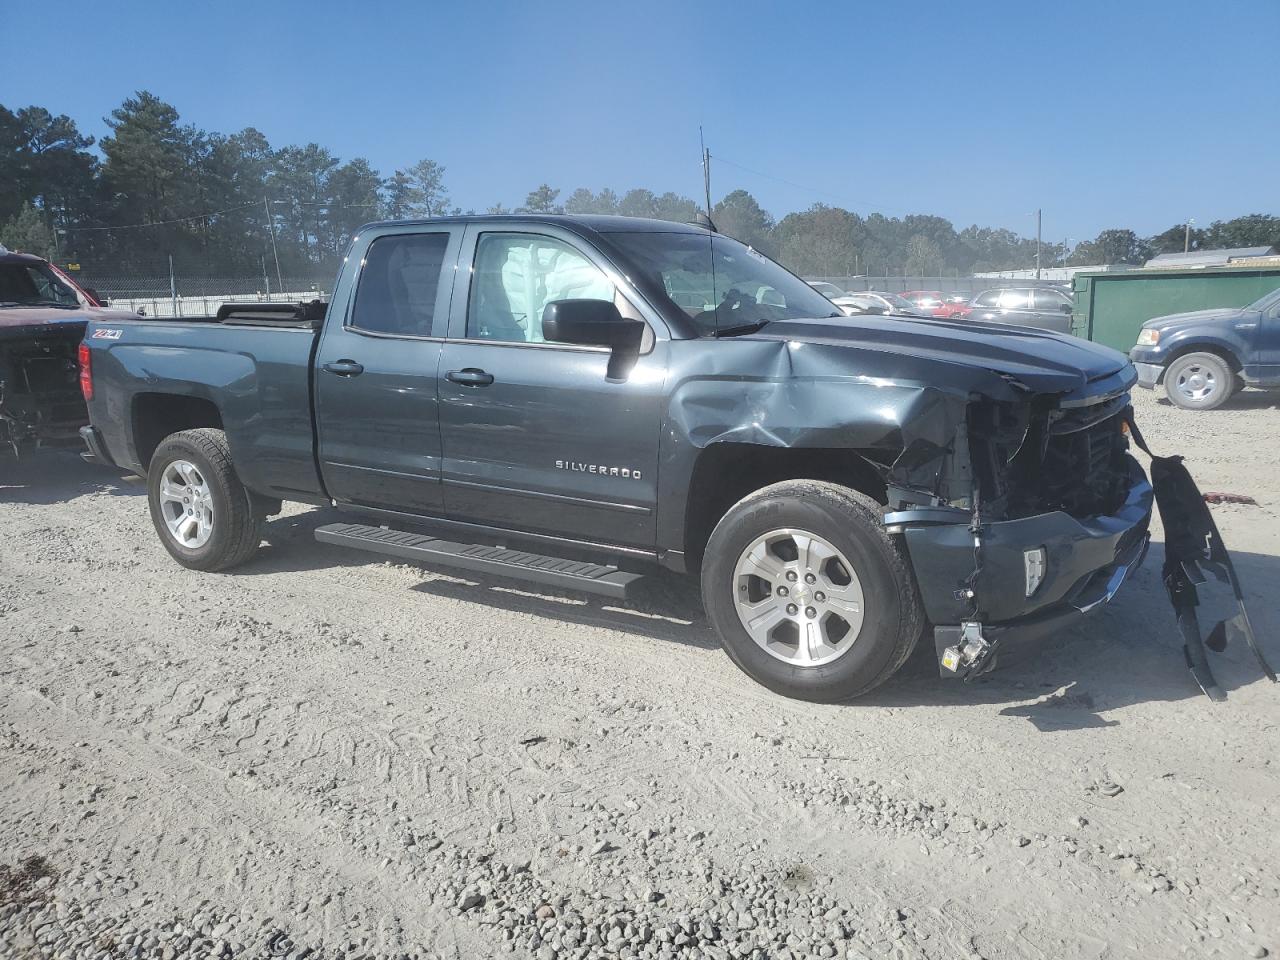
point(251, 375)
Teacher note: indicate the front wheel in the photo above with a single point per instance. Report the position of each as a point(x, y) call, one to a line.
point(205, 517)
point(809, 595)
point(1200, 381)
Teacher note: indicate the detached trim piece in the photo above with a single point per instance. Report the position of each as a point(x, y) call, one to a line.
point(1193, 544)
point(582, 575)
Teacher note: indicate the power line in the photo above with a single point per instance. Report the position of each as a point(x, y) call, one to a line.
point(165, 223)
point(218, 213)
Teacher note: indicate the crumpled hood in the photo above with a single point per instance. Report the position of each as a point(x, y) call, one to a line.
point(987, 358)
point(1170, 320)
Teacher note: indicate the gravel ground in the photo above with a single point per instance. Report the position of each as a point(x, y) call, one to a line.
point(323, 754)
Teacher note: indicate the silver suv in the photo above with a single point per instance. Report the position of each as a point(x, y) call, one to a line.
point(1042, 307)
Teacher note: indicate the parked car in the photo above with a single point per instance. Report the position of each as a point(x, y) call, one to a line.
point(935, 303)
point(877, 302)
point(42, 319)
point(1204, 357)
point(1042, 307)
point(531, 381)
point(846, 301)
point(828, 290)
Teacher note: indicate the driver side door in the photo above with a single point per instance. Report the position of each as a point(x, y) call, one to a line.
point(535, 437)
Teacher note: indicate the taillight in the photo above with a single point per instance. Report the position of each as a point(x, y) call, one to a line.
point(86, 372)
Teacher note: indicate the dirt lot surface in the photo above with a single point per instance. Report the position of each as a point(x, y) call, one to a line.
point(326, 752)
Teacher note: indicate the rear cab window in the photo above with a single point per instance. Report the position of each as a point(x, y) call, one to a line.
point(399, 288)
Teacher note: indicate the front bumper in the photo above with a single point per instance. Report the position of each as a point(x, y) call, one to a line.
point(1149, 374)
point(1087, 562)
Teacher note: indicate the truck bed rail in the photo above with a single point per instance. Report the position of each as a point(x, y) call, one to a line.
point(261, 314)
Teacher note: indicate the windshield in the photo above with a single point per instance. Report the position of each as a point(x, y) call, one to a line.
point(1265, 301)
point(735, 287)
point(33, 284)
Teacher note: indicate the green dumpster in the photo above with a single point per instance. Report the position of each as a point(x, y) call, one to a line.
point(1110, 308)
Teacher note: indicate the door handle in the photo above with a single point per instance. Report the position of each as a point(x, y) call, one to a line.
point(344, 368)
point(469, 377)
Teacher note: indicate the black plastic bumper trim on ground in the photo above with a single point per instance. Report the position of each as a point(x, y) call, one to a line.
point(582, 575)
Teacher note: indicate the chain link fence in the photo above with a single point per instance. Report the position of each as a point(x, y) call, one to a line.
point(188, 296)
point(964, 286)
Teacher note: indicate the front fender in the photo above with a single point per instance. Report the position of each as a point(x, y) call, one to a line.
point(795, 403)
point(1234, 344)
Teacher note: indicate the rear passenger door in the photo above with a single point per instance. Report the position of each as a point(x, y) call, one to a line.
point(536, 438)
point(1053, 310)
point(377, 408)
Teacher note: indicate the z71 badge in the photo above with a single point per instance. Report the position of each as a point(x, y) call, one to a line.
point(107, 333)
point(598, 468)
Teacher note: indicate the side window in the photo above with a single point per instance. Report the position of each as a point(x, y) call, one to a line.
point(1050, 300)
point(1015, 299)
point(987, 299)
point(398, 284)
point(517, 275)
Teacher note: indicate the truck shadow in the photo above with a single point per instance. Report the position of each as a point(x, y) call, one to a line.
point(59, 476)
point(664, 607)
point(1244, 400)
point(290, 546)
point(1130, 652)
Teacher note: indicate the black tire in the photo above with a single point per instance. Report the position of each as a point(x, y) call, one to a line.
point(893, 617)
point(1184, 376)
point(237, 520)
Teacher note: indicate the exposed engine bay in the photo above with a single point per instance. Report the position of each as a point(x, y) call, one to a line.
point(40, 399)
point(1035, 457)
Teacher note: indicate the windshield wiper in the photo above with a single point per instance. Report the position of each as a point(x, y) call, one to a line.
point(740, 329)
point(50, 303)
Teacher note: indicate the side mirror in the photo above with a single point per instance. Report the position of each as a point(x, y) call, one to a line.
point(595, 323)
point(1066, 308)
point(95, 296)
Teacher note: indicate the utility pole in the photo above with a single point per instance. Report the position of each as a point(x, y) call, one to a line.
point(173, 287)
point(706, 172)
point(1037, 244)
point(271, 223)
point(1186, 236)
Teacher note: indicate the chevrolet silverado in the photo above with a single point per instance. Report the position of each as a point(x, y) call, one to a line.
point(573, 400)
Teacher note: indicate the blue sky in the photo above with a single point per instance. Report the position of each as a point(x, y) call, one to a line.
point(1105, 114)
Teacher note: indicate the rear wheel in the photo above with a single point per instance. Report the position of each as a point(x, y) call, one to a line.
point(1199, 381)
point(810, 596)
point(203, 514)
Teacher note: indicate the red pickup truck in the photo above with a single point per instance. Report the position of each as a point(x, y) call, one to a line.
point(43, 314)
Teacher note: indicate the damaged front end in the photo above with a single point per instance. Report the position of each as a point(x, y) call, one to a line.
point(1042, 515)
point(40, 399)
point(1037, 515)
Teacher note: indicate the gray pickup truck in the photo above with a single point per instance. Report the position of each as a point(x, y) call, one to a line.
point(574, 400)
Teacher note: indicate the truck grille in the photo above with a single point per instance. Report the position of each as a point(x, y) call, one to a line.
point(1031, 460)
point(1083, 472)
